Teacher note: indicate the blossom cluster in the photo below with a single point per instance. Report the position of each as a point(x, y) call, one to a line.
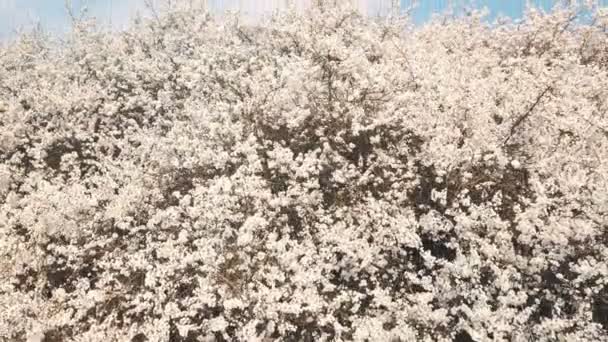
point(318, 176)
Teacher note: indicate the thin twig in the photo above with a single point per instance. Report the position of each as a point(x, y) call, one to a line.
point(150, 5)
point(527, 114)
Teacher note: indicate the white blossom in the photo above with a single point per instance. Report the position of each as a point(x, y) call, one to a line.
point(319, 175)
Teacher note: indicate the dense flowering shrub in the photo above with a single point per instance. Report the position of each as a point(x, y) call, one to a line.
point(320, 176)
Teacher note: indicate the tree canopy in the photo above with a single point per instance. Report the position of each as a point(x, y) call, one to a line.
point(317, 176)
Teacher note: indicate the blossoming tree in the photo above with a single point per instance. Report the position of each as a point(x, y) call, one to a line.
point(319, 176)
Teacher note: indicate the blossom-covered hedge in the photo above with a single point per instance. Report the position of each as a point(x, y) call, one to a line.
point(322, 176)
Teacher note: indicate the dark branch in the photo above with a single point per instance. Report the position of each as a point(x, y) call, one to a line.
point(527, 114)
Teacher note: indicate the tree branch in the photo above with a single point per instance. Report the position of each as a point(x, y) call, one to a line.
point(527, 114)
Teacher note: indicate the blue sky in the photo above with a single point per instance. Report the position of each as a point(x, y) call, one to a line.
point(51, 14)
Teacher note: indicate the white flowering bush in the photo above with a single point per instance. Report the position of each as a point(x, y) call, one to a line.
point(320, 176)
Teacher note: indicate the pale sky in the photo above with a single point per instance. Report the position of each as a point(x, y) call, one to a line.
point(51, 15)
